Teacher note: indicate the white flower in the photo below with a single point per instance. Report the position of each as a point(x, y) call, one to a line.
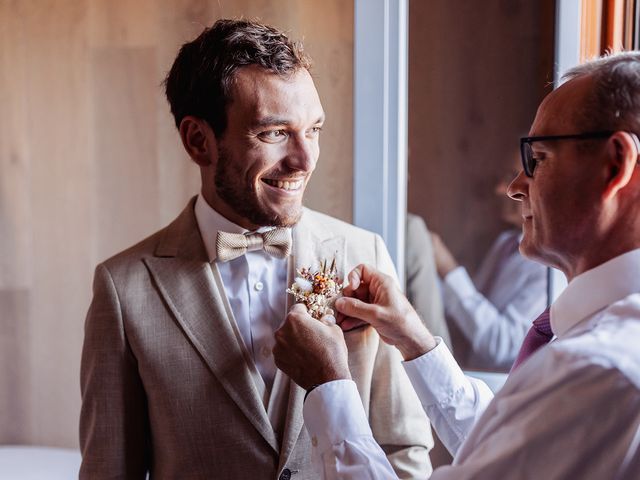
point(303, 284)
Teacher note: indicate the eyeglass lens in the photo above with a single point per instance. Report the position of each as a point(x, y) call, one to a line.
point(528, 162)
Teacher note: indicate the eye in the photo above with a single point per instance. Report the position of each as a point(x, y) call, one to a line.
point(315, 131)
point(537, 157)
point(273, 136)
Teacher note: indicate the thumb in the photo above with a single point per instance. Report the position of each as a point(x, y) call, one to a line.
point(352, 307)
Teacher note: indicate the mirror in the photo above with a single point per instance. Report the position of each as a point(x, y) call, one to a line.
point(476, 77)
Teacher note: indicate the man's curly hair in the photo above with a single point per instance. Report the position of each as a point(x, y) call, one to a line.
point(199, 82)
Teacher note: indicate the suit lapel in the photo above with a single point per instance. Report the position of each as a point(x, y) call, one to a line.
point(311, 245)
point(185, 280)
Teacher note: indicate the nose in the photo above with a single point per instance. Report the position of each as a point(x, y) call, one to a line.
point(518, 189)
point(303, 153)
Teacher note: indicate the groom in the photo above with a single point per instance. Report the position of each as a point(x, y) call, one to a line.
point(178, 377)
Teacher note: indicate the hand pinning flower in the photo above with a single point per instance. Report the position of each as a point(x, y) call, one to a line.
point(317, 290)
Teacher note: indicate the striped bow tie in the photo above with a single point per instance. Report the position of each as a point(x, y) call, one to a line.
point(276, 242)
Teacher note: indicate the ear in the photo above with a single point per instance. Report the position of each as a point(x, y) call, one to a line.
point(623, 149)
point(198, 140)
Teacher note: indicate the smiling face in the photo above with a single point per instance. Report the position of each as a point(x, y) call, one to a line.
point(560, 203)
point(268, 150)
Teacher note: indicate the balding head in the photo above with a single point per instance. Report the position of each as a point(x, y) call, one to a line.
point(613, 102)
point(579, 207)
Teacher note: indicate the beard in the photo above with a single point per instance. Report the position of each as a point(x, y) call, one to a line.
point(243, 199)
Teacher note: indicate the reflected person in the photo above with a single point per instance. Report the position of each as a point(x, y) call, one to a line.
point(493, 311)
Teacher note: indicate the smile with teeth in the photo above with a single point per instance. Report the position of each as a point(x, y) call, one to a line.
point(284, 184)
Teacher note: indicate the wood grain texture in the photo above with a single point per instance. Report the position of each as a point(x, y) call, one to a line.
point(124, 148)
point(15, 220)
point(476, 76)
point(15, 395)
point(90, 162)
point(61, 186)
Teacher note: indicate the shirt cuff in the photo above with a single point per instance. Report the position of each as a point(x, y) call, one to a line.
point(436, 376)
point(332, 412)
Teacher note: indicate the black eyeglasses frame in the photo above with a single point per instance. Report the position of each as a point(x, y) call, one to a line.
point(525, 145)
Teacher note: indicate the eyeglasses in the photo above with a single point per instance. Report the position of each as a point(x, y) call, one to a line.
point(529, 162)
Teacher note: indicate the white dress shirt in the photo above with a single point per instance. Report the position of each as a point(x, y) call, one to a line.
point(495, 310)
point(255, 285)
point(572, 410)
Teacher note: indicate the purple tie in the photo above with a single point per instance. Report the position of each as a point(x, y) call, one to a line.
point(538, 336)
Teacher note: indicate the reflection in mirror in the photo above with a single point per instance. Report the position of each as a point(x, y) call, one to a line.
point(492, 311)
point(476, 77)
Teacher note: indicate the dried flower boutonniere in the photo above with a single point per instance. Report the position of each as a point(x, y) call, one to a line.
point(317, 290)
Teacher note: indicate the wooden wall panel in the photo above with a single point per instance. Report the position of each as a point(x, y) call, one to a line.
point(90, 162)
point(476, 76)
point(60, 200)
point(123, 23)
point(15, 395)
point(15, 230)
point(124, 145)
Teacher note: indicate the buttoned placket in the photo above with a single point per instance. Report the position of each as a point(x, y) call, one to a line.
point(259, 316)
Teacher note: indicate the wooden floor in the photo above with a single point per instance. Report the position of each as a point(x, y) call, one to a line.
point(90, 162)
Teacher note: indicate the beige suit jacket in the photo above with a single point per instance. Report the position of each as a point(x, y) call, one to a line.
point(167, 386)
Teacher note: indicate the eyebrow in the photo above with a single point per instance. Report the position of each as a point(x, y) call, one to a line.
point(271, 120)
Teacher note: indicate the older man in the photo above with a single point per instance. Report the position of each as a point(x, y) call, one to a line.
point(570, 408)
point(178, 378)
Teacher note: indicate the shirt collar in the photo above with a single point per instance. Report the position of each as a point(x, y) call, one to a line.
point(210, 222)
point(594, 289)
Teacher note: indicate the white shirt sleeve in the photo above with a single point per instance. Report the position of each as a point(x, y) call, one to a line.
point(344, 447)
point(453, 402)
point(343, 444)
point(552, 424)
point(495, 335)
point(552, 436)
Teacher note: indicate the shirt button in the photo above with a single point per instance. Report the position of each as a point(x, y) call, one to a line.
point(314, 441)
point(285, 475)
point(258, 286)
point(266, 351)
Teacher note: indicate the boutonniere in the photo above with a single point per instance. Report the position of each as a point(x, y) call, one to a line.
point(317, 290)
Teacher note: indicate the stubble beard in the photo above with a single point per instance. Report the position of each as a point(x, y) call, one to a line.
point(244, 199)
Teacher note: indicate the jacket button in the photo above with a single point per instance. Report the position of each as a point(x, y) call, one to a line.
point(285, 475)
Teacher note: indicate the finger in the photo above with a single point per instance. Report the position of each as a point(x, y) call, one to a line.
point(368, 273)
point(350, 323)
point(352, 307)
point(298, 308)
point(353, 280)
point(359, 281)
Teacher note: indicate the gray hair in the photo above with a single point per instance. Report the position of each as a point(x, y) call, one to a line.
point(614, 102)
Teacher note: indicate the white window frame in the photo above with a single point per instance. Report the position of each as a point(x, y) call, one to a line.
point(380, 121)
